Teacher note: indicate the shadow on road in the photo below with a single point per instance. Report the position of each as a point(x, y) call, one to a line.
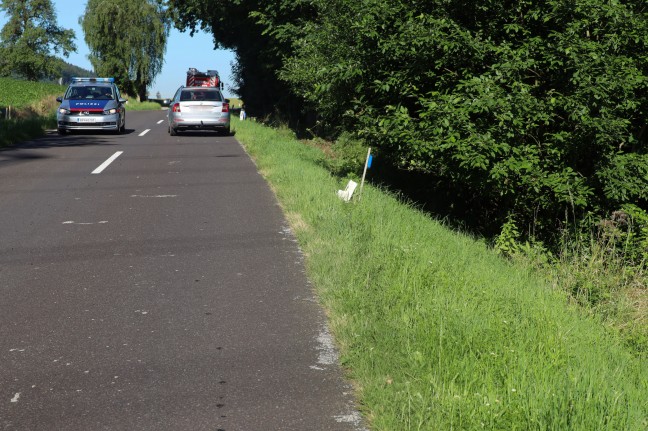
point(21, 151)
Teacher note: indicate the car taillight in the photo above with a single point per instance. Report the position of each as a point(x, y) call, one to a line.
point(225, 107)
point(176, 107)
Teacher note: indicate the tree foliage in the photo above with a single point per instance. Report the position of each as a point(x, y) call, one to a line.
point(531, 108)
point(31, 40)
point(248, 28)
point(526, 111)
point(127, 40)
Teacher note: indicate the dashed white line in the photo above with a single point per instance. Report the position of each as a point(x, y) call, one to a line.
point(105, 164)
point(144, 132)
point(160, 121)
point(15, 397)
point(83, 223)
point(154, 196)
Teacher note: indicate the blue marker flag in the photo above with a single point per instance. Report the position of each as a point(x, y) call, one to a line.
point(369, 161)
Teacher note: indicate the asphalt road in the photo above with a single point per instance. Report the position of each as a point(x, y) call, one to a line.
point(165, 292)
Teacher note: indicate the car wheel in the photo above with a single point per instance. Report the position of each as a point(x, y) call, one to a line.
point(172, 131)
point(62, 131)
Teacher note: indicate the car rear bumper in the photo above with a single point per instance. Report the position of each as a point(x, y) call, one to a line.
point(201, 124)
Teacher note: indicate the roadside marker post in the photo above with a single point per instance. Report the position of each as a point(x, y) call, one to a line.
point(364, 173)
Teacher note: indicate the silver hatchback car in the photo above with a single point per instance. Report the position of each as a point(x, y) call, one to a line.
point(198, 108)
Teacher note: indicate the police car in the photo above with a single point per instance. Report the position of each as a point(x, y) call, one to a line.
point(91, 104)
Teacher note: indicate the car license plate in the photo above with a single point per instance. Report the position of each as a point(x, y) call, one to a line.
point(85, 120)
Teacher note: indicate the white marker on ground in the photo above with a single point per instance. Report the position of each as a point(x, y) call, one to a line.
point(105, 164)
point(160, 121)
point(144, 132)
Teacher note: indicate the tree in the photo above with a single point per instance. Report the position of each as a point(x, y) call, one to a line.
point(508, 112)
point(127, 40)
point(259, 33)
point(28, 39)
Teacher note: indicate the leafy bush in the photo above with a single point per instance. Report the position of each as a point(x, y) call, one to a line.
point(536, 109)
point(349, 155)
point(632, 221)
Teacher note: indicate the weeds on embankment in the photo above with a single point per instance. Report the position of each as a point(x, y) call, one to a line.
point(435, 329)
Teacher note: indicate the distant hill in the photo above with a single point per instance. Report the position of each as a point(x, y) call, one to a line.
point(70, 70)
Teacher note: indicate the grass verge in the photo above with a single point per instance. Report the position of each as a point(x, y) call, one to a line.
point(436, 331)
point(29, 121)
point(134, 105)
point(22, 129)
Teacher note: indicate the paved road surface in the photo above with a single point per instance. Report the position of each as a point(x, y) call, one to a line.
point(164, 293)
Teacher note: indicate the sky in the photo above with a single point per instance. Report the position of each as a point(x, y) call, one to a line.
point(183, 52)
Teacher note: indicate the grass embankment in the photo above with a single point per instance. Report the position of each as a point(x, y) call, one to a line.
point(436, 331)
point(23, 94)
point(32, 108)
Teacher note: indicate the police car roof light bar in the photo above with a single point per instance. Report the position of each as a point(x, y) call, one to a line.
point(84, 79)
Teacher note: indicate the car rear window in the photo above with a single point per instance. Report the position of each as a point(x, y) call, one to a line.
point(208, 95)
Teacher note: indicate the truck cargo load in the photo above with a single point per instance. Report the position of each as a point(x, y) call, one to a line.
point(203, 79)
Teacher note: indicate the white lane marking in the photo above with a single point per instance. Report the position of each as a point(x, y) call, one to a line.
point(82, 223)
point(105, 164)
point(144, 132)
point(154, 196)
point(160, 121)
point(15, 398)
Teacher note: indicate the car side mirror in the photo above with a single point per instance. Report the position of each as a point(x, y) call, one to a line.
point(59, 99)
point(124, 101)
point(227, 101)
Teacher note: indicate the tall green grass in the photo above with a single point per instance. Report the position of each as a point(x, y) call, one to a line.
point(17, 130)
point(436, 330)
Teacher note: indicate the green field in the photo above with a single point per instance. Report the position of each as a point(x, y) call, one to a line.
point(20, 94)
point(436, 331)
